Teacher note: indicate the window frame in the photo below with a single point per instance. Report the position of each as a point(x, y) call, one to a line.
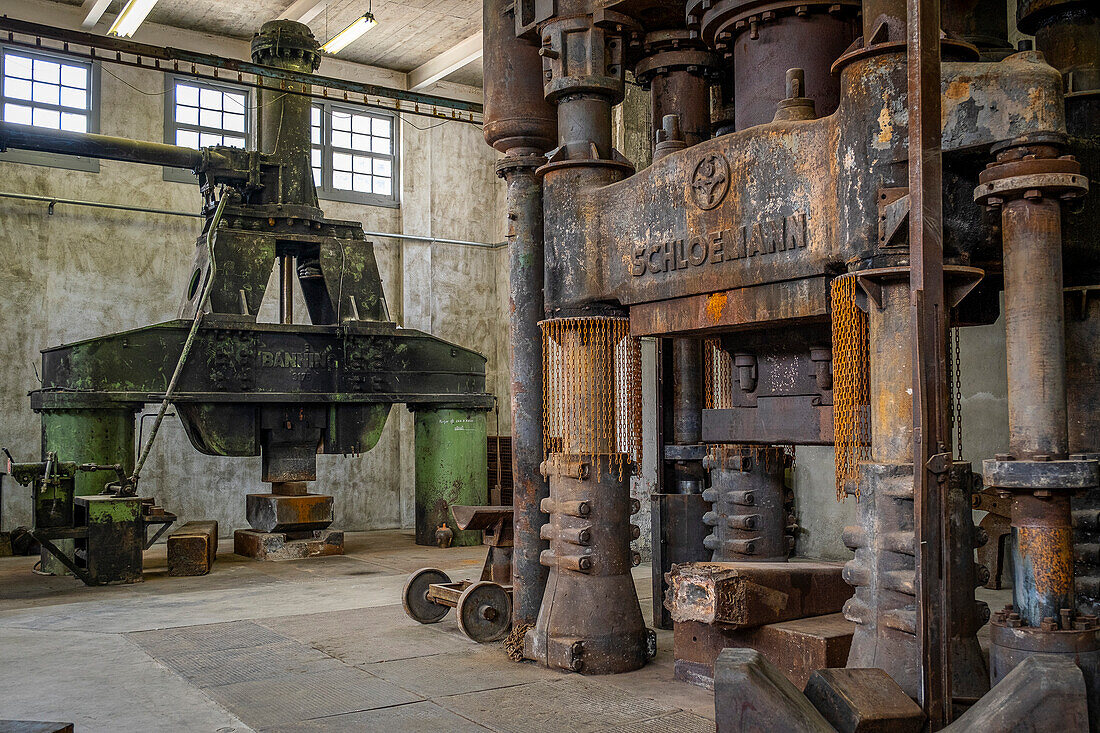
point(56, 160)
point(325, 191)
point(179, 175)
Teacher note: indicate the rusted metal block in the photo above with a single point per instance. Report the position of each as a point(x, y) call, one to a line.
point(798, 648)
point(751, 695)
point(863, 701)
point(193, 548)
point(278, 513)
point(746, 594)
point(281, 546)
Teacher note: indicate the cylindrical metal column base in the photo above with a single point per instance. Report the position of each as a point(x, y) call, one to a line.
point(749, 515)
point(884, 576)
point(590, 620)
point(451, 468)
point(1011, 644)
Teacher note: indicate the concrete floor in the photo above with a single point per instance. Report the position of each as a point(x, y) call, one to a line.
point(309, 645)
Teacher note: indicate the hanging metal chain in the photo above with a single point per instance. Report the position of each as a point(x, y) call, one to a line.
point(956, 400)
point(592, 386)
point(851, 384)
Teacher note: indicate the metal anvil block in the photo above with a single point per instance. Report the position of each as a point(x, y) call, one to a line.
point(275, 513)
point(740, 595)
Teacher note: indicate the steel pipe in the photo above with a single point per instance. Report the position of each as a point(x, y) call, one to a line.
point(1035, 327)
point(105, 147)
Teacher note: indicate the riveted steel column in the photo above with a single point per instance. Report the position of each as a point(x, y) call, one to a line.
point(452, 466)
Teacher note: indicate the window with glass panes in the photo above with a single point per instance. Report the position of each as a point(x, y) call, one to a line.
point(204, 114)
point(354, 154)
point(46, 91)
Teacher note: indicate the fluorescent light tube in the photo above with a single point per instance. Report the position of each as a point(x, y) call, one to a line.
point(132, 16)
point(341, 40)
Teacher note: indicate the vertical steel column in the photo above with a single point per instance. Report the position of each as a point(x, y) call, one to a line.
point(284, 109)
point(520, 123)
point(526, 303)
point(1027, 183)
point(931, 459)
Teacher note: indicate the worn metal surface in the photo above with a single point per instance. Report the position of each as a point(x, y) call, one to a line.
point(752, 696)
point(773, 36)
point(1026, 183)
point(1042, 693)
point(1064, 635)
point(751, 507)
point(798, 648)
point(678, 537)
point(590, 561)
point(933, 525)
point(863, 701)
point(451, 468)
point(111, 551)
point(287, 546)
point(275, 513)
point(883, 573)
point(747, 594)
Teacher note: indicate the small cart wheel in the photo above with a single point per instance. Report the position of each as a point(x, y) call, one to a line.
point(485, 612)
point(415, 596)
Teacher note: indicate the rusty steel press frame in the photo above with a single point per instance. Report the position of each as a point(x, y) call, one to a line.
point(903, 145)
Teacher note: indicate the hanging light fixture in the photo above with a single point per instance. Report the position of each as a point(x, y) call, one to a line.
point(341, 40)
point(132, 16)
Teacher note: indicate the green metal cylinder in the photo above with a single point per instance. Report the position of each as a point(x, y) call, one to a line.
point(104, 436)
point(451, 468)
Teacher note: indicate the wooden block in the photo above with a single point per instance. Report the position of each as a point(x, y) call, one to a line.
point(746, 594)
point(797, 648)
point(193, 548)
point(863, 701)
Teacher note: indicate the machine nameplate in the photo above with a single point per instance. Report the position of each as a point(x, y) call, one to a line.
point(765, 237)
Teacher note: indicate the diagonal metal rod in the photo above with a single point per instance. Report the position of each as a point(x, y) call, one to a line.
point(929, 365)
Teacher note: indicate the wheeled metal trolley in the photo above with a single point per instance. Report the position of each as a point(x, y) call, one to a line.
point(484, 607)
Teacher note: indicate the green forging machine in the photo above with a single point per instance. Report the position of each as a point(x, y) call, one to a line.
point(284, 391)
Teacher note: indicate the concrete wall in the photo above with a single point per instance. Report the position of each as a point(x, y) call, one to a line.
point(86, 272)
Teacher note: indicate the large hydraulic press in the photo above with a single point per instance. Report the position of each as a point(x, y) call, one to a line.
point(774, 224)
point(284, 391)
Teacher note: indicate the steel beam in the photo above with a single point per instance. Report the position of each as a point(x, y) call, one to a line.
point(930, 431)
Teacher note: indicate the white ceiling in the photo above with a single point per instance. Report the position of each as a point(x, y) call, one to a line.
point(409, 34)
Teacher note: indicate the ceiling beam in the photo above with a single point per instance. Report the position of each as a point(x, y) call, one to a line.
point(304, 11)
point(93, 10)
point(446, 63)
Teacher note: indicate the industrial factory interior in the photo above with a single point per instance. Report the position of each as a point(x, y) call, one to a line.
point(634, 366)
